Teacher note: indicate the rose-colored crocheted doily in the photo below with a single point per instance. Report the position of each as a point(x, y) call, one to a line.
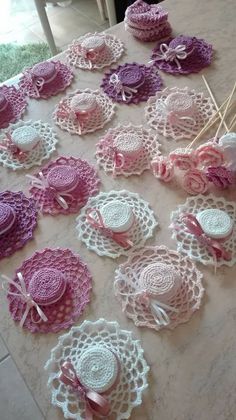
point(111, 53)
point(15, 105)
point(88, 186)
point(185, 301)
point(24, 225)
point(63, 313)
point(149, 35)
point(152, 83)
point(62, 80)
point(107, 154)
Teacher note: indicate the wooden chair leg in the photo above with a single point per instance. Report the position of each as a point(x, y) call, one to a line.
point(40, 6)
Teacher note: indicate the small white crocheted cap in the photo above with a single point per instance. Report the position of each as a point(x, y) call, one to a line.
point(128, 144)
point(25, 137)
point(180, 103)
point(215, 223)
point(83, 102)
point(95, 43)
point(117, 216)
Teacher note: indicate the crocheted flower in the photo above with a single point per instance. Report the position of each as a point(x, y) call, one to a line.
point(183, 159)
point(220, 176)
point(209, 155)
point(195, 182)
point(162, 168)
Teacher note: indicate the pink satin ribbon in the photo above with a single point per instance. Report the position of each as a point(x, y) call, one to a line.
point(126, 92)
point(12, 148)
point(96, 404)
point(174, 119)
point(121, 238)
point(118, 159)
point(65, 111)
point(88, 55)
point(172, 54)
point(39, 82)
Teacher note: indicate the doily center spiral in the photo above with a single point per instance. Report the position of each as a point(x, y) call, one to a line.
point(159, 280)
point(128, 143)
point(46, 70)
point(131, 76)
point(63, 178)
point(83, 102)
point(25, 137)
point(117, 216)
point(180, 103)
point(47, 286)
point(95, 43)
point(7, 217)
point(215, 223)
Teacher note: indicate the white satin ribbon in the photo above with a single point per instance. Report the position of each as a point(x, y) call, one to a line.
point(179, 121)
point(172, 54)
point(126, 92)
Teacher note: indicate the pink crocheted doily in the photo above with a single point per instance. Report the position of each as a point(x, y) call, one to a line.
point(137, 145)
point(63, 313)
point(62, 80)
point(88, 185)
point(24, 225)
point(136, 286)
point(149, 35)
point(15, 104)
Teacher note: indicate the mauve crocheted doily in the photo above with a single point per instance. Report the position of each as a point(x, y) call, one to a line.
point(89, 184)
point(143, 15)
point(135, 166)
point(151, 85)
point(186, 300)
point(62, 80)
point(132, 380)
point(195, 61)
point(63, 313)
point(24, 225)
point(149, 35)
point(16, 105)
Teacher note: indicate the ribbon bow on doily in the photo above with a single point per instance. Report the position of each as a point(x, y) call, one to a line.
point(121, 238)
point(172, 54)
point(88, 55)
point(96, 404)
point(38, 82)
point(117, 157)
point(126, 91)
point(173, 118)
point(25, 297)
point(65, 111)
point(12, 148)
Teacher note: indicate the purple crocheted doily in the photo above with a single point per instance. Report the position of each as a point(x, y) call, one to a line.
point(62, 80)
point(152, 83)
point(199, 55)
point(16, 104)
point(143, 15)
point(88, 186)
point(24, 225)
point(63, 313)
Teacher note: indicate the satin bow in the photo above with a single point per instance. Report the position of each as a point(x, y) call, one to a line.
point(95, 403)
point(121, 238)
point(25, 297)
point(126, 92)
point(65, 111)
point(118, 159)
point(172, 54)
point(173, 118)
point(88, 55)
point(12, 148)
point(36, 83)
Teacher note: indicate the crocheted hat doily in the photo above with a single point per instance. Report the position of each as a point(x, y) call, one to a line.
point(64, 186)
point(26, 144)
point(178, 113)
point(112, 223)
point(131, 83)
point(182, 55)
point(18, 219)
point(84, 111)
point(158, 287)
point(46, 79)
point(149, 35)
point(127, 150)
point(12, 105)
point(79, 357)
point(204, 228)
point(95, 51)
point(53, 287)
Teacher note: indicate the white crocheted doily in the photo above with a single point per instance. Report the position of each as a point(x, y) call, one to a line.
point(110, 54)
point(132, 381)
point(136, 166)
point(142, 229)
point(178, 127)
point(187, 243)
point(36, 156)
point(97, 119)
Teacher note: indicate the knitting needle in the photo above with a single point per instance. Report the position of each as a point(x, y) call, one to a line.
point(213, 100)
point(226, 109)
point(232, 123)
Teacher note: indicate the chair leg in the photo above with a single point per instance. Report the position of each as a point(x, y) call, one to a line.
point(100, 5)
point(40, 6)
point(111, 11)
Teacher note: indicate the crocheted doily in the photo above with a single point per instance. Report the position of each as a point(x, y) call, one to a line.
point(15, 105)
point(97, 119)
point(142, 229)
point(143, 15)
point(134, 165)
point(186, 299)
point(188, 244)
point(111, 53)
point(62, 80)
point(152, 83)
point(38, 154)
point(63, 313)
point(178, 117)
point(88, 186)
point(132, 381)
point(24, 225)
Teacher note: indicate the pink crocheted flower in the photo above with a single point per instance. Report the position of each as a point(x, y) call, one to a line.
point(209, 155)
point(162, 168)
point(220, 176)
point(183, 159)
point(195, 182)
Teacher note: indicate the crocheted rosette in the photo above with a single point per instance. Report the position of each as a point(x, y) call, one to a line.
point(163, 114)
point(141, 230)
point(45, 147)
point(186, 300)
point(88, 186)
point(126, 395)
point(24, 225)
point(188, 244)
point(62, 80)
point(112, 51)
point(151, 84)
point(135, 165)
point(63, 313)
point(14, 107)
point(100, 116)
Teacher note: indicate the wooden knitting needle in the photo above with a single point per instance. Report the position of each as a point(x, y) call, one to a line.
point(213, 100)
point(226, 109)
point(232, 123)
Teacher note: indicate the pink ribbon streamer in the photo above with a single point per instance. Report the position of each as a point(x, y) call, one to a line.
point(118, 159)
point(65, 111)
point(96, 404)
point(126, 92)
point(12, 148)
point(88, 55)
point(172, 54)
